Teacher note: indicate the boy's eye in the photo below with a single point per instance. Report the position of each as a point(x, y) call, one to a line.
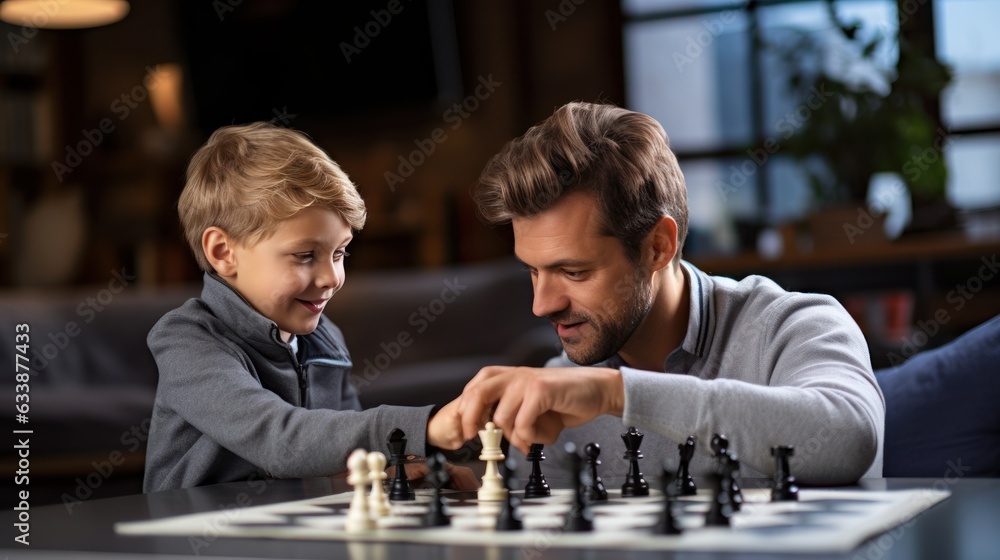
point(340, 253)
point(303, 257)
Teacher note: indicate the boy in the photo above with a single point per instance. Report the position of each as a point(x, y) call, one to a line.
point(253, 378)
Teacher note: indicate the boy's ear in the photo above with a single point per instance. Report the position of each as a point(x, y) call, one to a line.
point(218, 248)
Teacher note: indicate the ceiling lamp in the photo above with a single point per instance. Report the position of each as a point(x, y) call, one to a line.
point(63, 14)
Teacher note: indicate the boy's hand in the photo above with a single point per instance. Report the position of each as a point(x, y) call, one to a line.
point(461, 478)
point(444, 429)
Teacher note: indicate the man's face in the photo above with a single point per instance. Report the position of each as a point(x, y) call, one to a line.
point(583, 282)
point(290, 276)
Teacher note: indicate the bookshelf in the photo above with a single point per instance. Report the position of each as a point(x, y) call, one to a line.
point(26, 109)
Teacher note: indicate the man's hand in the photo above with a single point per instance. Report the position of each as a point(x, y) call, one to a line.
point(533, 405)
point(444, 429)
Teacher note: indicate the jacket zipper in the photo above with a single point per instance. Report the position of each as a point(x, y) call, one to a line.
point(300, 374)
point(303, 384)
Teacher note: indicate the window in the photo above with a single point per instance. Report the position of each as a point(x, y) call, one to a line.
point(709, 72)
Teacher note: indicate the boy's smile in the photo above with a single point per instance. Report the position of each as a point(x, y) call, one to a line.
point(290, 276)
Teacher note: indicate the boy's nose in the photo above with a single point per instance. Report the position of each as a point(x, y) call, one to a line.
point(328, 276)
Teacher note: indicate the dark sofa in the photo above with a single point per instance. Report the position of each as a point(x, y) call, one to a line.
point(415, 337)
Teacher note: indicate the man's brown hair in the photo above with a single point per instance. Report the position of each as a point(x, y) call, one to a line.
point(621, 157)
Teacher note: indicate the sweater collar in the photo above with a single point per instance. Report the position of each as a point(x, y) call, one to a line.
point(232, 308)
point(701, 320)
point(263, 334)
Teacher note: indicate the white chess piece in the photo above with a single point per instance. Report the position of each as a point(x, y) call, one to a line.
point(358, 519)
point(378, 501)
point(492, 489)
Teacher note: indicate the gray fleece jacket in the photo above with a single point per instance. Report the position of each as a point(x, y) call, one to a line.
point(763, 366)
point(233, 402)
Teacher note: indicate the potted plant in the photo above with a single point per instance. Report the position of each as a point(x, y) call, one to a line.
point(876, 119)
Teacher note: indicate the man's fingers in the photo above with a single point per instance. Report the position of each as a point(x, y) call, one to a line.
point(479, 400)
point(462, 478)
point(477, 406)
point(507, 408)
point(485, 374)
point(544, 429)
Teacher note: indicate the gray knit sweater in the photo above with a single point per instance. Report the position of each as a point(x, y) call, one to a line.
point(762, 366)
point(233, 402)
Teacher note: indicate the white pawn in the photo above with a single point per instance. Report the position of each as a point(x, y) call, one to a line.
point(492, 489)
point(378, 502)
point(358, 519)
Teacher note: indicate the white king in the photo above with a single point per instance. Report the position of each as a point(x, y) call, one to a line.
point(492, 489)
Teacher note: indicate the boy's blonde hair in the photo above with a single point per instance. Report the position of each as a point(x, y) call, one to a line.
point(247, 179)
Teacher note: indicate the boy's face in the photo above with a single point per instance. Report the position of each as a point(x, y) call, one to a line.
point(290, 276)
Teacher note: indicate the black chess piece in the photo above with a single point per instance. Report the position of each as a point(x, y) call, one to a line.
point(685, 482)
point(510, 513)
point(634, 485)
point(719, 445)
point(596, 492)
point(785, 489)
point(721, 506)
point(399, 489)
point(438, 477)
point(723, 457)
point(735, 494)
point(667, 522)
point(536, 487)
point(580, 518)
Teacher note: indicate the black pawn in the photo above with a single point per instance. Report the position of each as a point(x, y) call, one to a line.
point(733, 466)
point(721, 508)
point(667, 523)
point(510, 514)
point(719, 445)
point(580, 518)
point(685, 482)
point(438, 478)
point(399, 489)
point(785, 489)
point(634, 485)
point(536, 487)
point(723, 457)
point(596, 492)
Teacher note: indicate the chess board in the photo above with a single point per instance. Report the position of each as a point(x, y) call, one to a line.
point(822, 521)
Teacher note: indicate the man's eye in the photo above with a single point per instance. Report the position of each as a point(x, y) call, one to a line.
point(574, 274)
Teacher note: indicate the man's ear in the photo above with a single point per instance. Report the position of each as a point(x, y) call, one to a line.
point(662, 243)
point(218, 248)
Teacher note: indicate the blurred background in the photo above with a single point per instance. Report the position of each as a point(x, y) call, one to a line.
point(848, 147)
point(778, 111)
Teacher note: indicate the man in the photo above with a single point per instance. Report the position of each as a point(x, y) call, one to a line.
point(598, 206)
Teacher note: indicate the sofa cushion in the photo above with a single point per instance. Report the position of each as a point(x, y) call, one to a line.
point(88, 337)
point(943, 409)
